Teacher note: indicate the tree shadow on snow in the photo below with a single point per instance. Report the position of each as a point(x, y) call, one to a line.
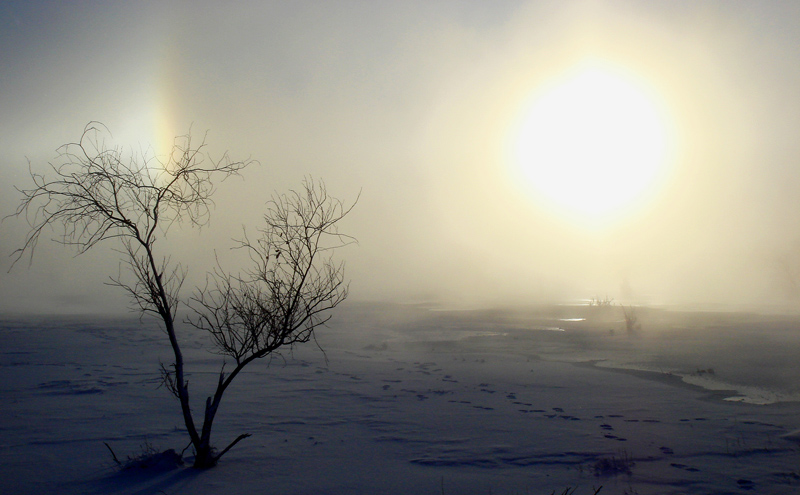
point(140, 478)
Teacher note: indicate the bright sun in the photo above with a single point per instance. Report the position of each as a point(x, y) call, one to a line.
point(594, 144)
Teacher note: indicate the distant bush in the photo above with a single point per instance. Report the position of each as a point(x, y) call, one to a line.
point(597, 302)
point(621, 463)
point(631, 319)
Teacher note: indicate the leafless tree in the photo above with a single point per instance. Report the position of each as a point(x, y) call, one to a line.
point(285, 295)
point(96, 193)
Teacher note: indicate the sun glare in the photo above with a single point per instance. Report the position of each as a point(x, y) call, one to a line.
point(593, 145)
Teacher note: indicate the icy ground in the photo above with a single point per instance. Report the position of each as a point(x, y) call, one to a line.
point(408, 400)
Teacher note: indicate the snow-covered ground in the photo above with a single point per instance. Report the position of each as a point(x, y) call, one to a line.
point(407, 399)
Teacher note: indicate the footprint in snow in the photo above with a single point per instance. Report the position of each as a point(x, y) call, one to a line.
point(684, 467)
point(440, 392)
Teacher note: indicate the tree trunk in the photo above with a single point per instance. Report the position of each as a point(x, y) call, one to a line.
point(204, 457)
point(162, 302)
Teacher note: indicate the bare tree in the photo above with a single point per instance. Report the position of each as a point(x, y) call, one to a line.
point(284, 296)
point(96, 193)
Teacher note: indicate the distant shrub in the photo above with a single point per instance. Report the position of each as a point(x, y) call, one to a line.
point(631, 319)
point(614, 465)
point(597, 302)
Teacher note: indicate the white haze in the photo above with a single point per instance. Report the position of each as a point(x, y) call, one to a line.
point(410, 104)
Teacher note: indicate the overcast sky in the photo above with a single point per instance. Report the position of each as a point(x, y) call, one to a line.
point(412, 104)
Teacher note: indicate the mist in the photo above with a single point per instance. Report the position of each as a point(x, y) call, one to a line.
point(409, 107)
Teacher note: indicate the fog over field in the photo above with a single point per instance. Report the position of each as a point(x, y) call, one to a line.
point(416, 105)
point(573, 253)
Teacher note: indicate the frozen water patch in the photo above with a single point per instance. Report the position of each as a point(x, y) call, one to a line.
point(548, 329)
point(746, 394)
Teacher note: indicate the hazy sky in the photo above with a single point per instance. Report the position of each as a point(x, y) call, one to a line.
point(415, 104)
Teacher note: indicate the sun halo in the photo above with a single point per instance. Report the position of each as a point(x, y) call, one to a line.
point(593, 145)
